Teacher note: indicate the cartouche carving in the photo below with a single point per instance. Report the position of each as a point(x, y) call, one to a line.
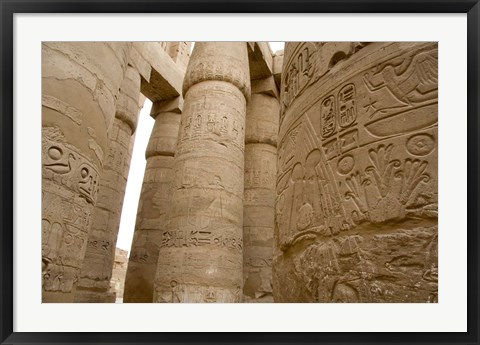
point(357, 200)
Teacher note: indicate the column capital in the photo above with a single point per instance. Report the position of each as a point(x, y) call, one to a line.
point(221, 61)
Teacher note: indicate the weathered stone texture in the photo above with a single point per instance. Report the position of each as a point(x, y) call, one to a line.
point(258, 221)
point(261, 133)
point(262, 120)
point(97, 265)
point(119, 271)
point(260, 59)
point(161, 77)
point(80, 81)
point(277, 67)
point(220, 61)
point(201, 251)
point(154, 200)
point(308, 176)
point(180, 53)
point(356, 209)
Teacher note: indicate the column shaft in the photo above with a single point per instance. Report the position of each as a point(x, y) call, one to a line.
point(357, 206)
point(154, 198)
point(201, 253)
point(80, 81)
point(259, 204)
point(97, 266)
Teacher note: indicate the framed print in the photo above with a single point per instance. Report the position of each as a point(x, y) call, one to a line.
point(246, 172)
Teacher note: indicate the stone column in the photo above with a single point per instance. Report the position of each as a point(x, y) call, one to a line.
point(201, 252)
point(357, 205)
point(261, 133)
point(80, 81)
point(97, 266)
point(119, 271)
point(154, 198)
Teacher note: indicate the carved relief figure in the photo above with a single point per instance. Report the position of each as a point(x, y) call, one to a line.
point(357, 202)
point(328, 117)
point(413, 81)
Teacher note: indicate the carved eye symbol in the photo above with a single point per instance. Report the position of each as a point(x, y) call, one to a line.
point(55, 153)
point(84, 172)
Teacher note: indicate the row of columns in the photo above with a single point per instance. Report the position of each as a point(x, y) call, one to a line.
point(204, 230)
point(90, 104)
point(201, 251)
point(80, 85)
point(200, 236)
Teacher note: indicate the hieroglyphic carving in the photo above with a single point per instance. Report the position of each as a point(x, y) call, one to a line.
point(420, 144)
point(353, 268)
point(213, 118)
point(69, 192)
point(257, 175)
point(307, 62)
point(298, 71)
point(347, 109)
point(373, 127)
point(411, 80)
point(177, 292)
point(308, 200)
point(221, 238)
point(328, 116)
point(62, 163)
point(373, 190)
point(64, 239)
point(345, 164)
point(204, 217)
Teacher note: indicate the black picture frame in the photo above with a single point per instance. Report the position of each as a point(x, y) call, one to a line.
point(10, 7)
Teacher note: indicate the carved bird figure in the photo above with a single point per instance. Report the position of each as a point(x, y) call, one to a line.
point(414, 81)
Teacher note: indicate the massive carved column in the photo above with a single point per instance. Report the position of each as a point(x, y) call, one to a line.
point(97, 266)
point(261, 133)
point(356, 210)
point(154, 198)
point(80, 81)
point(201, 252)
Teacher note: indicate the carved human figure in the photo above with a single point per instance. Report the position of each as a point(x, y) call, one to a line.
point(357, 190)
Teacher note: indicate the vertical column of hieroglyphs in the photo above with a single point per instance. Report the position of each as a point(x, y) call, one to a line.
point(357, 192)
point(201, 250)
point(97, 266)
point(261, 133)
point(80, 81)
point(154, 199)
